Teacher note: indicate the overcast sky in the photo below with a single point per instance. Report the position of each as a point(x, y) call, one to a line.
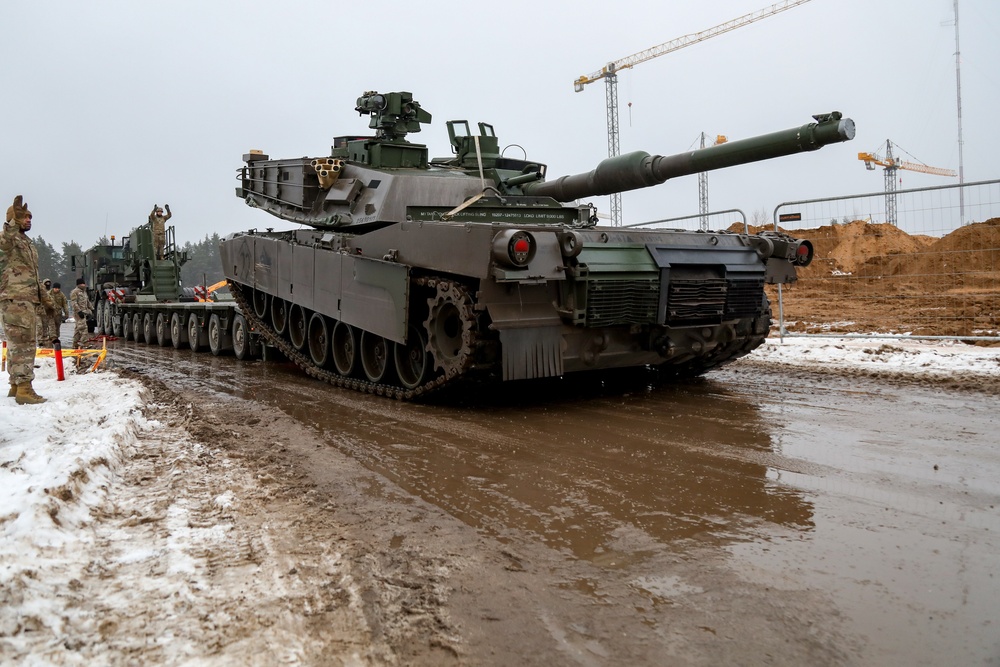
point(111, 107)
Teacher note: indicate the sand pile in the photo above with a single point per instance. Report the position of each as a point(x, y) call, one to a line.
point(876, 277)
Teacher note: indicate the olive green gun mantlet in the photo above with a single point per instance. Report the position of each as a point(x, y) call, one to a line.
point(414, 272)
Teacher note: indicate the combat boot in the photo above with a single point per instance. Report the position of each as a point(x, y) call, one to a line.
point(13, 391)
point(26, 395)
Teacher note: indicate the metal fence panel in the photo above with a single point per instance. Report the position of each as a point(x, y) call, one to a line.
point(935, 273)
point(732, 218)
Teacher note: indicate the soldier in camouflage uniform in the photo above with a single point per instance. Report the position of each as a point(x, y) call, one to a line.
point(61, 312)
point(20, 293)
point(42, 326)
point(158, 223)
point(80, 303)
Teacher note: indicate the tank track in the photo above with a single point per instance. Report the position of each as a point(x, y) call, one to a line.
point(749, 335)
point(304, 361)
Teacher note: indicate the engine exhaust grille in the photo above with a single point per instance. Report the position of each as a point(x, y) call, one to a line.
point(614, 302)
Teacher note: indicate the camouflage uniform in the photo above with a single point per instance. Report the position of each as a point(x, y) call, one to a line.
point(43, 323)
point(61, 312)
point(158, 223)
point(80, 303)
point(20, 293)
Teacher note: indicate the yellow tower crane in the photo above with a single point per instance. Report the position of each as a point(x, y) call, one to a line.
point(703, 185)
point(610, 75)
point(891, 164)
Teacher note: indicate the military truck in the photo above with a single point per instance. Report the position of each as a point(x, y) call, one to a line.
point(139, 297)
point(416, 272)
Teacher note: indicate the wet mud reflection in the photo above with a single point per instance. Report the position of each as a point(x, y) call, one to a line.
point(608, 469)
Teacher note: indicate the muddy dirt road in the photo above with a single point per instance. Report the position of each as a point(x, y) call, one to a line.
point(753, 517)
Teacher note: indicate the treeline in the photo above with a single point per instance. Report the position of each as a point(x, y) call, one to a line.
point(203, 265)
point(56, 265)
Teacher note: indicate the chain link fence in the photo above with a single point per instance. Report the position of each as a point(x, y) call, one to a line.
point(934, 274)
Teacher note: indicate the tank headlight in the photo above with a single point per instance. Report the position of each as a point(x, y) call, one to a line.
point(804, 254)
point(513, 248)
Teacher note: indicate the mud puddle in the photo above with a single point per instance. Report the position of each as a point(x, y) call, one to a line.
point(746, 515)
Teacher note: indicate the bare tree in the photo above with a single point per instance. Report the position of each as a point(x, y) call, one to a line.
point(760, 217)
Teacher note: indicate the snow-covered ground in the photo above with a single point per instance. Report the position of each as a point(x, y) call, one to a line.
point(62, 461)
point(123, 540)
point(935, 361)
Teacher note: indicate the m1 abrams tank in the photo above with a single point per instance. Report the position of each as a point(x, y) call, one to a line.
point(416, 272)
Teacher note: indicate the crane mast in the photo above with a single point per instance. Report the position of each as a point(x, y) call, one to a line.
point(891, 165)
point(610, 74)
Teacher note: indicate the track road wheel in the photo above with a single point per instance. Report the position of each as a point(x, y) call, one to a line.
point(219, 340)
point(137, 332)
point(413, 361)
point(178, 331)
point(261, 302)
point(318, 340)
point(344, 347)
point(376, 357)
point(244, 346)
point(196, 339)
point(162, 329)
point(279, 315)
point(298, 320)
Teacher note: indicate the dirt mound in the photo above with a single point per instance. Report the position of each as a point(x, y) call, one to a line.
point(845, 248)
point(876, 277)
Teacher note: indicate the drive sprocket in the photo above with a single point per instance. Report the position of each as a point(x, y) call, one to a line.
point(450, 327)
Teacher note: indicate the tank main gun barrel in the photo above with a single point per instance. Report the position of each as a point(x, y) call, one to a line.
point(641, 170)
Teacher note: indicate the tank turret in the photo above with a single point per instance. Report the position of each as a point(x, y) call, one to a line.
point(369, 181)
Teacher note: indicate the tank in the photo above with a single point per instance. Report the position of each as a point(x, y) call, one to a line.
point(411, 273)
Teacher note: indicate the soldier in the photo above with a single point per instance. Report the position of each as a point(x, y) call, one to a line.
point(20, 293)
point(61, 312)
point(80, 302)
point(42, 320)
point(158, 222)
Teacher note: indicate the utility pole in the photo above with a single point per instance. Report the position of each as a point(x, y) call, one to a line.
point(958, 88)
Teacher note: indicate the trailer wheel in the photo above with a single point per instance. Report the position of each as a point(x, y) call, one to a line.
point(244, 346)
point(127, 331)
point(117, 319)
point(376, 357)
point(99, 318)
point(162, 330)
point(178, 332)
point(344, 344)
point(195, 337)
point(137, 328)
point(148, 328)
point(219, 340)
point(107, 310)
